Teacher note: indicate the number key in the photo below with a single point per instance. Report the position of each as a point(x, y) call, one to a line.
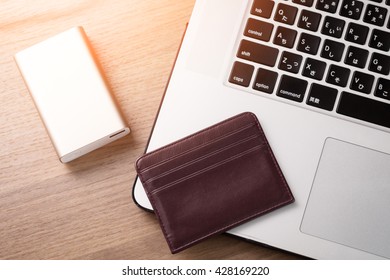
point(351, 9)
point(375, 15)
point(327, 5)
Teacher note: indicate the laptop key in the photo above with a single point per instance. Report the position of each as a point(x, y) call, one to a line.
point(327, 5)
point(265, 80)
point(333, 27)
point(308, 43)
point(290, 62)
point(309, 20)
point(292, 88)
point(241, 74)
point(365, 109)
point(257, 53)
point(383, 89)
point(285, 37)
point(314, 69)
point(322, 97)
point(338, 75)
point(380, 64)
point(332, 50)
point(356, 33)
point(375, 15)
point(362, 82)
point(262, 8)
point(285, 14)
point(351, 9)
point(380, 40)
point(307, 3)
point(258, 29)
point(356, 57)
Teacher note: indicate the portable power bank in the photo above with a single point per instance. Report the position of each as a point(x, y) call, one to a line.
point(71, 95)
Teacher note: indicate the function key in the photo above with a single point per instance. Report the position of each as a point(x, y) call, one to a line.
point(309, 20)
point(380, 40)
point(332, 50)
point(327, 5)
point(356, 33)
point(257, 53)
point(380, 64)
point(338, 75)
point(314, 69)
point(351, 9)
point(290, 62)
point(292, 88)
point(285, 37)
point(265, 80)
point(362, 82)
point(375, 15)
point(262, 8)
point(307, 3)
point(356, 57)
point(322, 97)
point(286, 14)
point(258, 29)
point(383, 89)
point(241, 74)
point(333, 27)
point(308, 43)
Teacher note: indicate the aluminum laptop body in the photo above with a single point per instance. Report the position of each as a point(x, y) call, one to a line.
point(335, 159)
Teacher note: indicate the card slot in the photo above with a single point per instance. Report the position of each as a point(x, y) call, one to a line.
point(206, 169)
point(202, 158)
point(196, 148)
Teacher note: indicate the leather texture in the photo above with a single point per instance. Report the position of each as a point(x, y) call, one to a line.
point(212, 181)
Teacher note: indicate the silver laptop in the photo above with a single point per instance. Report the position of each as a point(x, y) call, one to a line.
point(316, 74)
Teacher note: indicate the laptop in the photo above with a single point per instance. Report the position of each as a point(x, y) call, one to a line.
point(316, 74)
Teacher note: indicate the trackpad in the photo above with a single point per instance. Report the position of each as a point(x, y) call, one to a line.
point(350, 198)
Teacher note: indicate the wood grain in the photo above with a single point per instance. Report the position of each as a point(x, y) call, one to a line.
point(84, 210)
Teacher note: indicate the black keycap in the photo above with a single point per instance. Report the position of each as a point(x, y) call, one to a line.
point(327, 5)
point(309, 20)
point(356, 57)
point(383, 88)
point(338, 75)
point(364, 109)
point(241, 74)
point(378, 1)
point(351, 9)
point(292, 88)
point(322, 97)
point(262, 8)
point(314, 69)
point(258, 29)
point(380, 40)
point(362, 82)
point(285, 14)
point(290, 62)
point(375, 15)
point(380, 64)
point(285, 37)
point(258, 53)
point(265, 80)
point(308, 43)
point(306, 3)
point(356, 33)
point(332, 50)
point(333, 27)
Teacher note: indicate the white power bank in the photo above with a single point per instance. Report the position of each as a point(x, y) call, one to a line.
point(71, 94)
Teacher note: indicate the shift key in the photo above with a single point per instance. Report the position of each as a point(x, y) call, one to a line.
point(257, 53)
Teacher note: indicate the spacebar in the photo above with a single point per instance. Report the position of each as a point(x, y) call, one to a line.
point(364, 109)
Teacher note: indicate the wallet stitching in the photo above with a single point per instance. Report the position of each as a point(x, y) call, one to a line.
point(221, 229)
point(215, 165)
point(197, 147)
point(200, 159)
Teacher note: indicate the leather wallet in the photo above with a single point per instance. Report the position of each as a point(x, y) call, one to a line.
point(212, 181)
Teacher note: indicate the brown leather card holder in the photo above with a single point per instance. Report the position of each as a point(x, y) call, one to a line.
point(212, 181)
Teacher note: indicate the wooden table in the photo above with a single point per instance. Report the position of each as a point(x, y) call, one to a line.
point(84, 210)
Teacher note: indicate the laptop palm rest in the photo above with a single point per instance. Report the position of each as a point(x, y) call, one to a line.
point(350, 198)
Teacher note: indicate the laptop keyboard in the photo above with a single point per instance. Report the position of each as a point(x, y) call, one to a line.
point(331, 56)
